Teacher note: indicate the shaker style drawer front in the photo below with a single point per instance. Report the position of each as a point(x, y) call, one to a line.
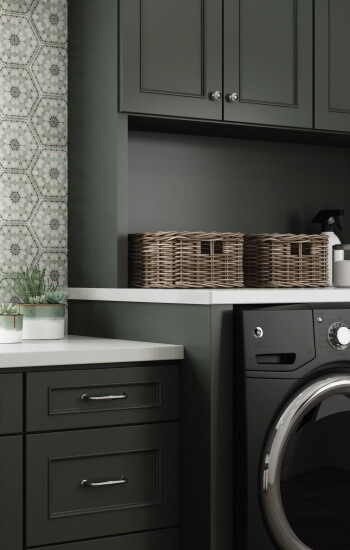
point(102, 397)
point(11, 403)
point(168, 539)
point(93, 483)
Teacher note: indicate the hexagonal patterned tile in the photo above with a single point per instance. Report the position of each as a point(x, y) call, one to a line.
point(50, 173)
point(17, 145)
point(50, 224)
point(50, 19)
point(17, 248)
point(18, 197)
point(50, 70)
point(50, 121)
point(55, 264)
point(33, 136)
point(17, 40)
point(7, 293)
point(18, 93)
point(19, 6)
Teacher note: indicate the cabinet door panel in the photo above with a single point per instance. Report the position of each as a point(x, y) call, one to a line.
point(11, 481)
point(171, 57)
point(141, 461)
point(158, 53)
point(154, 540)
point(332, 57)
point(268, 61)
point(11, 403)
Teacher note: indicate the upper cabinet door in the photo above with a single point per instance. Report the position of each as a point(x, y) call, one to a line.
point(171, 57)
point(332, 57)
point(268, 62)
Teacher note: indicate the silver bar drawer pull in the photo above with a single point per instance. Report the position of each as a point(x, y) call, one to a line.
point(86, 397)
point(85, 483)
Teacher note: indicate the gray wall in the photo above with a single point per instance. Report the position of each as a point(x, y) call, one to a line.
point(202, 183)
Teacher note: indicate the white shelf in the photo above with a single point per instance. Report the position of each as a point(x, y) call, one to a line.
point(81, 350)
point(213, 297)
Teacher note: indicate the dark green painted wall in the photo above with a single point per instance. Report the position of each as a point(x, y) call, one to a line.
point(181, 182)
point(206, 402)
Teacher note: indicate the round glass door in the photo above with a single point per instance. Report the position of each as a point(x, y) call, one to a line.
point(306, 478)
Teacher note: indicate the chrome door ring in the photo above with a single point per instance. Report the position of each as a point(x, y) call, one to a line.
point(283, 430)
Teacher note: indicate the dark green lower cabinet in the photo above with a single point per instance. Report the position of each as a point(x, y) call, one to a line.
point(55, 399)
point(11, 484)
point(11, 397)
point(167, 539)
point(68, 494)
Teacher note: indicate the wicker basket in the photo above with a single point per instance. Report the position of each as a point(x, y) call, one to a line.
point(186, 260)
point(273, 261)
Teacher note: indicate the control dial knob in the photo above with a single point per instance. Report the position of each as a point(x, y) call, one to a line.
point(339, 336)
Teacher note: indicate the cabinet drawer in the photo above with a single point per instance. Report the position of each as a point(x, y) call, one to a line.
point(154, 540)
point(61, 506)
point(102, 397)
point(11, 403)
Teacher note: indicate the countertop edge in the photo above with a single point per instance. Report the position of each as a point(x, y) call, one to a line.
point(20, 356)
point(239, 296)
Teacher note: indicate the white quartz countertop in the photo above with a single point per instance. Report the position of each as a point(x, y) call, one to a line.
point(237, 296)
point(82, 350)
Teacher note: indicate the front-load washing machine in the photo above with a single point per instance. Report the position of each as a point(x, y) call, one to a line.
point(292, 427)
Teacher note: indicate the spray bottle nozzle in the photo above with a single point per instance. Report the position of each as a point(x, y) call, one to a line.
point(329, 218)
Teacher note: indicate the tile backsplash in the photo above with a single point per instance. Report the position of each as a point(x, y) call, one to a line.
point(33, 139)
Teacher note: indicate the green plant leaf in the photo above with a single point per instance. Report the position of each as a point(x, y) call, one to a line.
point(31, 283)
point(9, 309)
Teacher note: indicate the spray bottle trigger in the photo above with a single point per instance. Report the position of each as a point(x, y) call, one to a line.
point(337, 223)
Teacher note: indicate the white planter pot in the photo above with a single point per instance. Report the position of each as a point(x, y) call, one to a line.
point(11, 329)
point(43, 321)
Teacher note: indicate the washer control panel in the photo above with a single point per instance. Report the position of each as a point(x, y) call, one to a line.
point(339, 336)
point(332, 331)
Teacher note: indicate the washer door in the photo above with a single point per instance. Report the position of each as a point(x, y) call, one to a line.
point(306, 477)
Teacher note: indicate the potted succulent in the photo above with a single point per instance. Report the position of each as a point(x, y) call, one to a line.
point(43, 307)
point(11, 324)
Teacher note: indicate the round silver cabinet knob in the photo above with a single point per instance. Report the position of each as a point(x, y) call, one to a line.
point(215, 95)
point(339, 336)
point(232, 97)
point(258, 332)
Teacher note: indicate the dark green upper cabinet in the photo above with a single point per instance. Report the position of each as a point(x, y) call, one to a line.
point(171, 57)
point(271, 62)
point(332, 57)
point(268, 60)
